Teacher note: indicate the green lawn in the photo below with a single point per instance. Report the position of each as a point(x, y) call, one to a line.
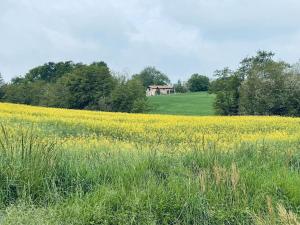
point(200, 103)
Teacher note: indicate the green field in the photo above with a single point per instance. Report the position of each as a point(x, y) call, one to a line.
point(183, 104)
point(78, 167)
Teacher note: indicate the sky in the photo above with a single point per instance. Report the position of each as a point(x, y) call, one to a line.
point(179, 37)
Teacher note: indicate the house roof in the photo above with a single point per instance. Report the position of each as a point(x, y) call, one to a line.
point(161, 87)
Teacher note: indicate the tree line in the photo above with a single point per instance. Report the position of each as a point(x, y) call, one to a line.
point(260, 86)
point(80, 86)
point(93, 87)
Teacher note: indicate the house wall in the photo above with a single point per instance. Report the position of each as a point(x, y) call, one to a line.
point(153, 92)
point(164, 91)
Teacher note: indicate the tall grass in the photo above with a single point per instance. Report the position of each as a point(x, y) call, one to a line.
point(40, 184)
point(27, 165)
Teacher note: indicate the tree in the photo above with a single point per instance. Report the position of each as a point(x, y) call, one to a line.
point(2, 87)
point(29, 93)
point(226, 88)
point(130, 96)
point(78, 86)
point(152, 76)
point(56, 95)
point(260, 86)
point(263, 91)
point(51, 71)
point(31, 88)
point(87, 85)
point(293, 94)
point(17, 93)
point(180, 87)
point(198, 83)
point(1, 80)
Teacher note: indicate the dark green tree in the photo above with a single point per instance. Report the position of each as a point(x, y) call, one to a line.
point(17, 93)
point(2, 87)
point(78, 86)
point(293, 94)
point(51, 71)
point(56, 95)
point(1, 80)
point(31, 88)
point(261, 86)
point(226, 88)
point(198, 83)
point(130, 96)
point(152, 76)
point(87, 85)
point(24, 92)
point(180, 87)
point(263, 91)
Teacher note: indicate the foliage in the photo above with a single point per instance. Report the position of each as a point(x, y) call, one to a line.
point(1, 80)
point(75, 86)
point(129, 96)
point(88, 84)
point(198, 83)
point(261, 86)
point(180, 87)
point(226, 88)
point(292, 97)
point(263, 90)
point(152, 76)
point(24, 92)
point(2, 87)
point(31, 88)
point(51, 71)
point(56, 95)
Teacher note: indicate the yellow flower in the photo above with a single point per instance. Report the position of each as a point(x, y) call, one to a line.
point(90, 130)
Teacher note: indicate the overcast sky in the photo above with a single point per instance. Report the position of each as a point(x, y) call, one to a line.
point(180, 37)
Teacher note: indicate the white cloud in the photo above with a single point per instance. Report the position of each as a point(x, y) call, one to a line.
point(179, 37)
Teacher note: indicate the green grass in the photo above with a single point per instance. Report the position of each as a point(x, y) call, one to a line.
point(42, 185)
point(198, 104)
point(46, 181)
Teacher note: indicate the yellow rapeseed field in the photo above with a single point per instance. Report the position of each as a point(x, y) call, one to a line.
point(110, 166)
point(89, 128)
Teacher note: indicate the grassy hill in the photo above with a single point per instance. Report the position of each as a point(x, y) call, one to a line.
point(200, 103)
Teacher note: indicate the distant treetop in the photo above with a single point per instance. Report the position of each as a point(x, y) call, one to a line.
point(152, 76)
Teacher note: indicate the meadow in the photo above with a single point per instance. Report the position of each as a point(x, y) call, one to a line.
point(76, 167)
point(195, 103)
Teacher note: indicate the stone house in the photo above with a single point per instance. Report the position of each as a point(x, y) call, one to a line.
point(153, 90)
